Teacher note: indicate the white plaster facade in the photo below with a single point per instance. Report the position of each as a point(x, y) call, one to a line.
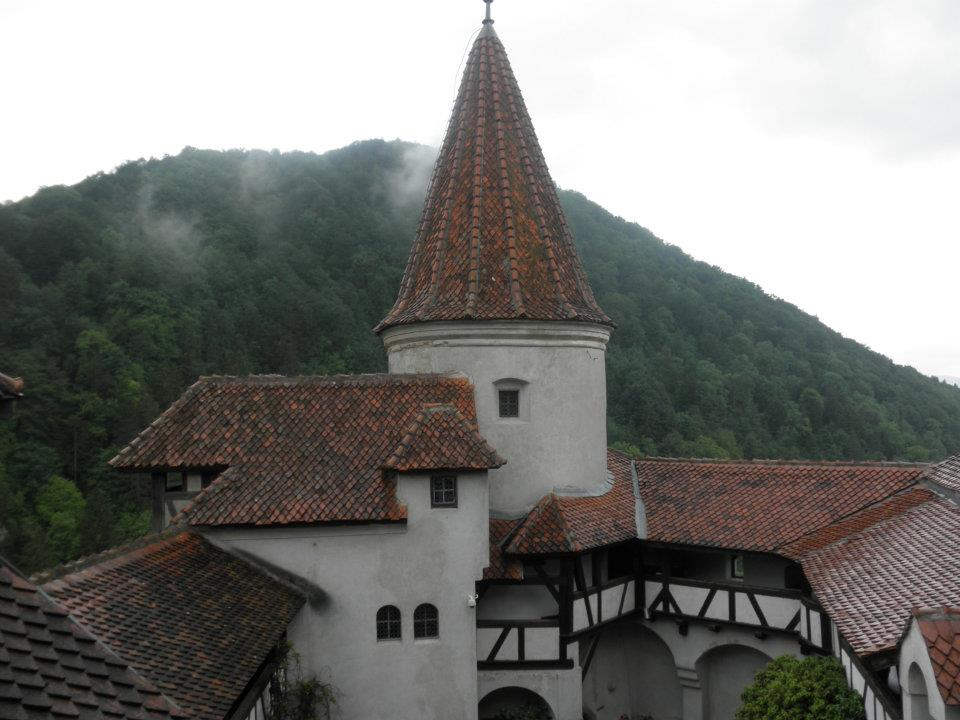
point(921, 696)
point(436, 558)
point(651, 668)
point(559, 440)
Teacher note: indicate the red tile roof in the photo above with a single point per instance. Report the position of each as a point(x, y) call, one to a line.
point(502, 567)
point(946, 474)
point(858, 522)
point(760, 506)
point(440, 437)
point(52, 667)
point(940, 629)
point(493, 243)
point(872, 542)
point(564, 523)
point(871, 579)
point(193, 619)
point(307, 449)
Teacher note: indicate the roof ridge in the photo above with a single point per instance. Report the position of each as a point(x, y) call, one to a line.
point(385, 378)
point(880, 523)
point(72, 567)
point(916, 487)
point(774, 461)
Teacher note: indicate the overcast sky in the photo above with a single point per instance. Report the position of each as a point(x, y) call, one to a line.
point(811, 146)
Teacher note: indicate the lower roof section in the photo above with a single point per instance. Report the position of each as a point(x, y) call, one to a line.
point(53, 667)
point(194, 620)
point(872, 541)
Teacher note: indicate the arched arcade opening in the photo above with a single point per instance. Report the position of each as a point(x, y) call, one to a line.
point(632, 674)
point(514, 702)
point(724, 673)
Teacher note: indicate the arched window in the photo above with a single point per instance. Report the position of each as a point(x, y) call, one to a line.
point(388, 623)
point(425, 622)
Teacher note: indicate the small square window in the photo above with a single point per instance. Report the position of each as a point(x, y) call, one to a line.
point(443, 491)
point(736, 567)
point(509, 403)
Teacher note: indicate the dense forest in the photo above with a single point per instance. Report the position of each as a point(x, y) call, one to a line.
point(118, 292)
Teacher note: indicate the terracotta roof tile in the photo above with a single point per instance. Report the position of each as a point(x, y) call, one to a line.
point(193, 619)
point(871, 579)
point(493, 243)
point(760, 506)
point(858, 522)
point(564, 523)
point(946, 473)
point(440, 437)
point(940, 628)
point(307, 449)
point(502, 567)
point(49, 664)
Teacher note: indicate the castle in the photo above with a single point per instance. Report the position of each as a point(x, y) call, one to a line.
point(453, 538)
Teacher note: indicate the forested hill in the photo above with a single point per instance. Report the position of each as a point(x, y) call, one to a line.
point(117, 293)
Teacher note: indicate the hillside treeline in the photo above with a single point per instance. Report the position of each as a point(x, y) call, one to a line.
point(116, 293)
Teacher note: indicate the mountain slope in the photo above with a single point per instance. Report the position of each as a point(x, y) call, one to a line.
point(118, 292)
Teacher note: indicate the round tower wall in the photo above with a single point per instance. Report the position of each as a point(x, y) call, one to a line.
point(557, 439)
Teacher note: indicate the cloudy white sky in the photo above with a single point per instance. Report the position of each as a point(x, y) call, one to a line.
point(812, 146)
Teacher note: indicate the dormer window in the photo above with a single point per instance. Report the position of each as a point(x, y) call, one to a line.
point(443, 491)
point(509, 403)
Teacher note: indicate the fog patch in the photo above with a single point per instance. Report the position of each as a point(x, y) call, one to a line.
point(407, 185)
point(163, 228)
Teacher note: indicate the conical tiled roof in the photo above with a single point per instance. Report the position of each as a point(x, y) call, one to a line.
point(493, 243)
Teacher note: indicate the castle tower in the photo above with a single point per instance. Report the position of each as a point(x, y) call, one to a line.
point(494, 289)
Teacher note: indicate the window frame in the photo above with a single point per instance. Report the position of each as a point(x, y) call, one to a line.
point(735, 572)
point(513, 403)
point(423, 625)
point(391, 624)
point(442, 477)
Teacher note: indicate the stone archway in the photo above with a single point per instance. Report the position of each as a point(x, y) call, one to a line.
point(508, 699)
point(724, 673)
point(632, 674)
point(917, 703)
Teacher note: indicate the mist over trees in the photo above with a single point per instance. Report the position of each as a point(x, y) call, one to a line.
point(117, 293)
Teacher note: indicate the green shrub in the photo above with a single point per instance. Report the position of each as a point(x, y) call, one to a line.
point(814, 688)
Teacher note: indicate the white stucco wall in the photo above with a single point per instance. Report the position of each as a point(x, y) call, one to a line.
point(560, 439)
point(435, 558)
point(921, 696)
point(559, 688)
point(516, 602)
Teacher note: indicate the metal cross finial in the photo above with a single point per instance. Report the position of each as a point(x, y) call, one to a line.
point(488, 20)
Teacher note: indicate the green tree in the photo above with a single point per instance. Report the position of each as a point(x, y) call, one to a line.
point(60, 507)
point(814, 688)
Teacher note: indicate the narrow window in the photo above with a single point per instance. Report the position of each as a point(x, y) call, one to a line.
point(736, 566)
point(509, 403)
point(388, 623)
point(425, 622)
point(443, 491)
